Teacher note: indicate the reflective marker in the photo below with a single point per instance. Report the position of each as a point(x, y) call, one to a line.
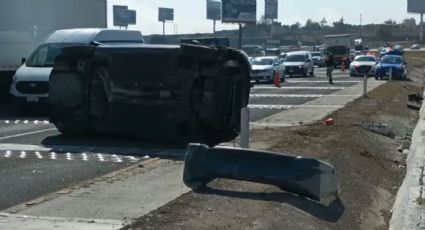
point(38, 155)
point(53, 155)
point(69, 156)
point(100, 157)
point(23, 154)
point(8, 154)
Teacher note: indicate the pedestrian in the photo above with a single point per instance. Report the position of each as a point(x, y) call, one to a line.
point(330, 66)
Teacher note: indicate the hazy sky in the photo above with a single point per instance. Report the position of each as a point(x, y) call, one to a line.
point(190, 15)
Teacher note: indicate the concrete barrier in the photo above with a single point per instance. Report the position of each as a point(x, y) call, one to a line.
point(408, 212)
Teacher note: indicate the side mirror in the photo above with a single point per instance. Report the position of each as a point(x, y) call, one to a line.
point(23, 60)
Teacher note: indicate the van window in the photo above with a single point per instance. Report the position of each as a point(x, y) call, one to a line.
point(295, 58)
point(45, 55)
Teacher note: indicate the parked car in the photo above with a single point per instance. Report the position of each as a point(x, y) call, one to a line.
point(415, 47)
point(299, 63)
point(30, 82)
point(318, 59)
point(363, 65)
point(265, 68)
point(394, 65)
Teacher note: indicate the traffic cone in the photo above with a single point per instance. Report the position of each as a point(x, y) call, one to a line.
point(276, 79)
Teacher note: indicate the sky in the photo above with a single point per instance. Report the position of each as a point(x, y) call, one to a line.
point(190, 15)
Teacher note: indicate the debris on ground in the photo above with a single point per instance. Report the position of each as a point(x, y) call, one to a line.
point(379, 128)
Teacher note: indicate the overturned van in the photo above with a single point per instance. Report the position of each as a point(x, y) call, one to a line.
point(173, 94)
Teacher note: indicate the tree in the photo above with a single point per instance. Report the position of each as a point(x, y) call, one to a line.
point(409, 22)
point(323, 23)
point(296, 26)
point(311, 25)
point(340, 25)
point(390, 22)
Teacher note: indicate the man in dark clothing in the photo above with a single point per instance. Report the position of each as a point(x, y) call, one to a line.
point(330, 65)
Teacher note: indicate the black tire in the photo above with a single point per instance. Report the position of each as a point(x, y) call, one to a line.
point(71, 129)
point(312, 72)
point(98, 101)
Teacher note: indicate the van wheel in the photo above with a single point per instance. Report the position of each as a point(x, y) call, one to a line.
point(98, 101)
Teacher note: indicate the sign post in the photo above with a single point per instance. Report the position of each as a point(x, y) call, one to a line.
point(239, 12)
point(417, 6)
point(123, 16)
point(165, 14)
point(214, 11)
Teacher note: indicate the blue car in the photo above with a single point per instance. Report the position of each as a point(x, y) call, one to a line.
point(391, 64)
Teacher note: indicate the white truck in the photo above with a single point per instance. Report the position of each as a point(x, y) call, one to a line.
point(340, 46)
point(24, 24)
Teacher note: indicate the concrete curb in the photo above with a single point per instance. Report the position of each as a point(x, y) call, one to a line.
point(408, 212)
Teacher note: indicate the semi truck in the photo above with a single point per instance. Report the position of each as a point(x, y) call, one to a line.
point(24, 24)
point(340, 46)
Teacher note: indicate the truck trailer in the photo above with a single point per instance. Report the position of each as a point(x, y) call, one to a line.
point(24, 24)
point(340, 46)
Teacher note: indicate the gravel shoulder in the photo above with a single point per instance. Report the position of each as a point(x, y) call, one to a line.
point(369, 167)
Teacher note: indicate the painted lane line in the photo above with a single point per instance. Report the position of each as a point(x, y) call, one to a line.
point(8, 154)
point(132, 159)
point(28, 133)
point(68, 156)
point(7, 121)
point(17, 121)
point(23, 155)
point(53, 156)
point(292, 106)
point(146, 157)
point(26, 122)
point(36, 122)
point(116, 158)
point(324, 81)
point(84, 157)
point(38, 155)
point(270, 106)
point(46, 122)
point(100, 157)
point(301, 87)
point(299, 95)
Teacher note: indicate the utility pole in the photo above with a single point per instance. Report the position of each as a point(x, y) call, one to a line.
point(361, 32)
point(421, 28)
point(214, 23)
point(240, 36)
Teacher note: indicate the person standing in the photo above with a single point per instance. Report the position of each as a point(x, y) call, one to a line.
point(330, 66)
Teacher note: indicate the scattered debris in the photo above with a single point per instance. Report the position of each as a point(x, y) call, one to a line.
point(378, 128)
point(416, 97)
point(330, 121)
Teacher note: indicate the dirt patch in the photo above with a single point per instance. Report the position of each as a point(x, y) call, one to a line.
point(369, 167)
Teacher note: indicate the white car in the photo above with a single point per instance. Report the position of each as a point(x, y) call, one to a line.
point(299, 63)
point(30, 84)
point(265, 68)
point(363, 65)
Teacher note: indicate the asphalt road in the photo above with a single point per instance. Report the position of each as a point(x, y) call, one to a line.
point(28, 171)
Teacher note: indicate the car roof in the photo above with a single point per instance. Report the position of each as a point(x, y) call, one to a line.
point(298, 52)
point(358, 56)
point(267, 57)
point(88, 35)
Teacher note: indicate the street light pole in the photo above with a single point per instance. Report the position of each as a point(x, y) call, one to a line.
point(163, 27)
point(240, 36)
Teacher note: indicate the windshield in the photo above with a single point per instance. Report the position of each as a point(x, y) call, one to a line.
point(45, 55)
point(262, 61)
point(365, 59)
point(391, 60)
point(316, 54)
point(295, 58)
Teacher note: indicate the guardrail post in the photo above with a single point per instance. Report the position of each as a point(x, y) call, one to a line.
point(365, 86)
point(244, 136)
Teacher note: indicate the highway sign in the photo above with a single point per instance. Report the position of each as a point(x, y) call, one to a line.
point(271, 9)
point(239, 11)
point(165, 14)
point(213, 9)
point(116, 11)
point(416, 6)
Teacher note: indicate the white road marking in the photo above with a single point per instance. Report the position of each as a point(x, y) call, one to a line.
point(17, 121)
point(116, 158)
point(23, 154)
point(53, 156)
point(84, 157)
point(38, 155)
point(8, 154)
point(100, 157)
point(323, 81)
point(68, 156)
point(132, 159)
point(28, 133)
point(300, 87)
point(292, 106)
point(7, 121)
point(26, 122)
point(299, 95)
